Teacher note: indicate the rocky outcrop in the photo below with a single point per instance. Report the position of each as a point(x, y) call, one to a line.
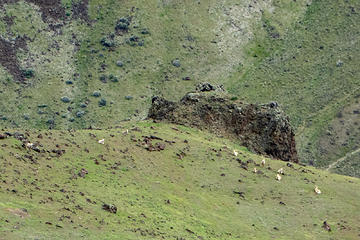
point(263, 129)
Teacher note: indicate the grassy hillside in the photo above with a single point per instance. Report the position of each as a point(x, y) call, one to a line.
point(312, 71)
point(79, 63)
point(193, 189)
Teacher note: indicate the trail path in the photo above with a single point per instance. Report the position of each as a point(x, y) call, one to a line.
point(342, 159)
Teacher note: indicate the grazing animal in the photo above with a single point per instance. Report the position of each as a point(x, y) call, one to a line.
point(281, 171)
point(235, 153)
point(317, 190)
point(29, 145)
point(102, 141)
point(326, 226)
point(278, 177)
point(255, 170)
point(263, 162)
point(126, 132)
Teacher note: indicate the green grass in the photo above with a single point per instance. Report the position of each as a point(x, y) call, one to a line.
point(285, 51)
point(199, 188)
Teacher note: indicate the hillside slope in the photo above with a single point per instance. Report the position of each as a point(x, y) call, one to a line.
point(74, 64)
point(166, 182)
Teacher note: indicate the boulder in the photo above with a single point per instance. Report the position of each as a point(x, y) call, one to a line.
point(262, 128)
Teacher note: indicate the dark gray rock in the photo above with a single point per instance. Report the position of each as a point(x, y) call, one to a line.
point(205, 87)
point(273, 104)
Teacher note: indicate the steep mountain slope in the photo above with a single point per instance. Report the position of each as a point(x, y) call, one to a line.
point(313, 73)
point(160, 181)
point(74, 64)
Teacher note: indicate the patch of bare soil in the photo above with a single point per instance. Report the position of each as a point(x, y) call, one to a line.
point(8, 57)
point(80, 10)
point(48, 8)
point(22, 213)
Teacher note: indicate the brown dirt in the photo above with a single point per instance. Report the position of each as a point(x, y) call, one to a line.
point(9, 20)
point(22, 213)
point(48, 8)
point(9, 60)
point(80, 10)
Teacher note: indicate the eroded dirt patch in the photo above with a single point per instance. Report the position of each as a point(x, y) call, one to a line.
point(22, 213)
point(8, 57)
point(80, 10)
point(48, 8)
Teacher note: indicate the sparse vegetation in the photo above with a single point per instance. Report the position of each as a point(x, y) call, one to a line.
point(72, 65)
point(194, 188)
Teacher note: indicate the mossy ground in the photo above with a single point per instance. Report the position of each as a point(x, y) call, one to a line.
point(160, 195)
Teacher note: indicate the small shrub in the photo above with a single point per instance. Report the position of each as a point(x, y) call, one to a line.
point(96, 94)
point(119, 63)
point(28, 73)
point(122, 24)
point(113, 78)
point(128, 97)
point(102, 102)
point(65, 99)
point(108, 41)
point(176, 63)
point(145, 31)
point(83, 105)
point(103, 79)
point(79, 114)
